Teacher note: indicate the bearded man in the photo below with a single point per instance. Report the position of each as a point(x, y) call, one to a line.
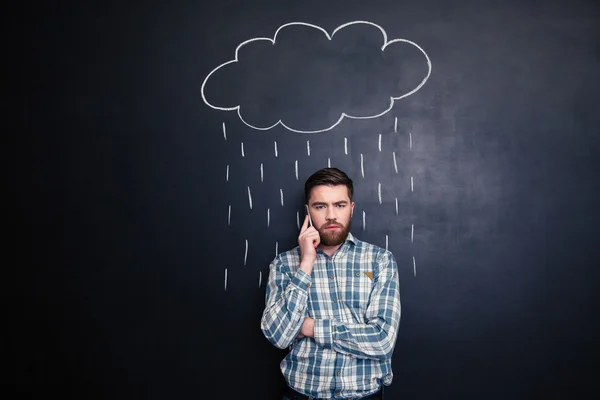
point(333, 301)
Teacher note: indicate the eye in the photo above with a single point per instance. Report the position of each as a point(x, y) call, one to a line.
point(319, 207)
point(341, 205)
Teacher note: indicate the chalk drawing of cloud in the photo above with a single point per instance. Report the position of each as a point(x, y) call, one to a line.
point(263, 74)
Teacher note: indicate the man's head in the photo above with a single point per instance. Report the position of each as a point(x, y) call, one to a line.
point(328, 194)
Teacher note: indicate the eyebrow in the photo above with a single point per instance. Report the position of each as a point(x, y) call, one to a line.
point(322, 203)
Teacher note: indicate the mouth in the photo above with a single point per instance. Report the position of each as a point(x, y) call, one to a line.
point(331, 227)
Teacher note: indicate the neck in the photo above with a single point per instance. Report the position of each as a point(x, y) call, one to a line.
point(329, 250)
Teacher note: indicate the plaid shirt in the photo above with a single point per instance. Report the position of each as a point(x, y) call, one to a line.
point(354, 299)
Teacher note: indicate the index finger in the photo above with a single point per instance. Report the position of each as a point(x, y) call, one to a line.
point(304, 225)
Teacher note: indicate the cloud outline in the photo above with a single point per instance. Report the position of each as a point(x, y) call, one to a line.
point(343, 115)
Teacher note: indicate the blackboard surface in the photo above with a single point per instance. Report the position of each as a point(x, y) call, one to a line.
point(163, 186)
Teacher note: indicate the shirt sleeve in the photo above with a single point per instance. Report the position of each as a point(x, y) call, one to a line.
point(375, 339)
point(286, 303)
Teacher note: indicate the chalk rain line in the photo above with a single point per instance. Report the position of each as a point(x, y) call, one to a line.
point(249, 197)
point(379, 192)
point(227, 174)
point(224, 131)
point(328, 162)
point(275, 143)
point(346, 146)
point(242, 146)
point(268, 217)
point(395, 163)
point(296, 168)
point(364, 221)
point(379, 142)
point(281, 194)
point(259, 278)
point(261, 173)
point(225, 279)
point(246, 253)
point(396, 125)
point(362, 167)
point(308, 147)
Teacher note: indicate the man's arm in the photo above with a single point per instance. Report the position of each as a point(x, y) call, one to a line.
point(375, 339)
point(287, 297)
point(286, 303)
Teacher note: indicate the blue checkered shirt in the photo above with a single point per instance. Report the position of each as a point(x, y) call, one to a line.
point(354, 298)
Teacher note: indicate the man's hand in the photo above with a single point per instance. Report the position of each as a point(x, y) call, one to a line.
point(308, 328)
point(308, 240)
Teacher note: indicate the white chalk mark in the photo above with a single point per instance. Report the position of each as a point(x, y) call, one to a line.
point(243, 149)
point(396, 206)
point(362, 166)
point(364, 221)
point(259, 278)
point(308, 147)
point(414, 266)
point(227, 174)
point(224, 131)
point(328, 162)
point(386, 242)
point(275, 148)
point(246, 252)
point(412, 184)
point(343, 115)
point(281, 193)
point(276, 249)
point(395, 163)
point(249, 198)
point(345, 145)
point(410, 140)
point(396, 125)
point(296, 168)
point(298, 219)
point(268, 217)
point(412, 233)
point(261, 173)
point(229, 216)
point(379, 192)
point(225, 279)
point(380, 142)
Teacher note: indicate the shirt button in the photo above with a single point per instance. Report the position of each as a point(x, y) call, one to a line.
point(337, 394)
point(358, 274)
point(339, 373)
point(308, 284)
point(335, 300)
point(331, 277)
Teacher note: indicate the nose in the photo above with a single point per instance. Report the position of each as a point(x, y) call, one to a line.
point(330, 214)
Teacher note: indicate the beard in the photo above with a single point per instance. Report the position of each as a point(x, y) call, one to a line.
point(334, 237)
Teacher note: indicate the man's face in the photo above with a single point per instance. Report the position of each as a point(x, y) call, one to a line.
point(331, 211)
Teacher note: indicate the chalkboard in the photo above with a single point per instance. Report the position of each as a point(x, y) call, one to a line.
point(171, 143)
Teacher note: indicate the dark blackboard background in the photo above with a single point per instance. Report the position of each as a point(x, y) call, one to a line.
point(129, 206)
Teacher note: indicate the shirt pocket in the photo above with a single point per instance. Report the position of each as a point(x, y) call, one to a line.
point(358, 293)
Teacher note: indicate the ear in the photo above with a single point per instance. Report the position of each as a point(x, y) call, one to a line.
point(352, 210)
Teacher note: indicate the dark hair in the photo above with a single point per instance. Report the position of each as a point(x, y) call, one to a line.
point(329, 177)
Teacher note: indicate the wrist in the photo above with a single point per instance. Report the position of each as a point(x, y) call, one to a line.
point(307, 266)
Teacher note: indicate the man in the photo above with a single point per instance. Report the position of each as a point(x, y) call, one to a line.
point(334, 301)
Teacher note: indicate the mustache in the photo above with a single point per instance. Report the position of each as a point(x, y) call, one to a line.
point(332, 224)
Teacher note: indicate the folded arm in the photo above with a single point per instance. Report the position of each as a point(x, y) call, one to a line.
point(376, 338)
point(286, 304)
